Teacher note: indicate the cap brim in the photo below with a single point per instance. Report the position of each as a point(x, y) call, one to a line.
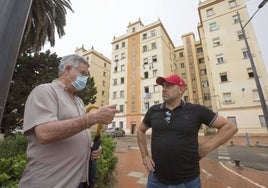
point(160, 80)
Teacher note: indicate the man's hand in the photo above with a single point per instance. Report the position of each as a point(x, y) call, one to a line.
point(148, 163)
point(96, 153)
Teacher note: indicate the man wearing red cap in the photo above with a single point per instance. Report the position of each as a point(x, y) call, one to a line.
point(175, 151)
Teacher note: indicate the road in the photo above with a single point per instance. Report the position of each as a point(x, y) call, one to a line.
point(218, 169)
point(249, 156)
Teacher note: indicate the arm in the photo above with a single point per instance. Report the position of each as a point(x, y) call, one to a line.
point(59, 130)
point(147, 160)
point(226, 130)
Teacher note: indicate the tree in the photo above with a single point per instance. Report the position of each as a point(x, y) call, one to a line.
point(31, 70)
point(44, 16)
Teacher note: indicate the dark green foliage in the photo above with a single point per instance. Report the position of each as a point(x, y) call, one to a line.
point(30, 71)
point(107, 163)
point(45, 17)
point(13, 161)
point(88, 94)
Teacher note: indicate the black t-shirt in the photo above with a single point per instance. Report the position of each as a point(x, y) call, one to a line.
point(175, 145)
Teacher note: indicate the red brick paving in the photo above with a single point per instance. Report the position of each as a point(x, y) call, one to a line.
point(213, 173)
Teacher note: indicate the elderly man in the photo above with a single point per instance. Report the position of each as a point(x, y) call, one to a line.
point(55, 123)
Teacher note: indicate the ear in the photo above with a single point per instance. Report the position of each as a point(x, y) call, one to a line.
point(67, 68)
point(182, 89)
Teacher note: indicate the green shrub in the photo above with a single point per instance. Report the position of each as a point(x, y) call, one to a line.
point(13, 161)
point(107, 163)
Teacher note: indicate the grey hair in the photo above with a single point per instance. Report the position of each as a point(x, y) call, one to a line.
point(71, 60)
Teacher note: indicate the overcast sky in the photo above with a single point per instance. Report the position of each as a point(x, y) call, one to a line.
point(96, 22)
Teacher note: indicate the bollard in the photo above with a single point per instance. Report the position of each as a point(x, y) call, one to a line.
point(237, 163)
point(247, 139)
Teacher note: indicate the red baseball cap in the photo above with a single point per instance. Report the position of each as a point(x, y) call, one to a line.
point(173, 79)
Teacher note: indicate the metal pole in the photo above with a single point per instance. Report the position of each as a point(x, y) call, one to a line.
point(13, 18)
point(256, 77)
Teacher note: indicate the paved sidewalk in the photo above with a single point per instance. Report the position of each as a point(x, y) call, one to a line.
point(130, 172)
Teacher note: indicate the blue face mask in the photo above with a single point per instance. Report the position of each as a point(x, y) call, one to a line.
point(80, 82)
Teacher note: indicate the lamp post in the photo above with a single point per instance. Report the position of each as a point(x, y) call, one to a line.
point(256, 77)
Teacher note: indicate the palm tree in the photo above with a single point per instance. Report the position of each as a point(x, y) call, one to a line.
point(44, 17)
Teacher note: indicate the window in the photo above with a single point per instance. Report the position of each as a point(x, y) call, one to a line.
point(102, 93)
point(121, 108)
point(133, 29)
point(210, 12)
point(104, 74)
point(220, 60)
point(255, 95)
point(123, 44)
point(146, 89)
point(121, 124)
point(103, 83)
point(122, 80)
point(122, 67)
point(156, 88)
point(245, 54)
point(201, 60)
point(154, 58)
point(144, 36)
point(122, 94)
point(232, 119)
point(145, 61)
point(116, 58)
point(182, 65)
point(213, 26)
point(181, 54)
point(240, 35)
point(115, 81)
point(207, 96)
point(146, 74)
point(123, 56)
point(144, 48)
point(114, 94)
point(250, 73)
point(155, 73)
point(199, 50)
point(146, 105)
point(113, 124)
point(223, 77)
point(183, 75)
point(236, 19)
point(153, 33)
point(203, 71)
point(117, 47)
point(227, 98)
point(204, 83)
point(153, 45)
point(232, 4)
point(216, 42)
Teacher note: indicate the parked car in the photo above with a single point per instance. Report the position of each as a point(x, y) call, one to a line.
point(115, 132)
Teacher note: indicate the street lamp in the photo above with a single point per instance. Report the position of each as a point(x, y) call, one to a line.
point(256, 77)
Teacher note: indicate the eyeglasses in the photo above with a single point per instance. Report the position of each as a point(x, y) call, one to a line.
point(82, 73)
point(168, 117)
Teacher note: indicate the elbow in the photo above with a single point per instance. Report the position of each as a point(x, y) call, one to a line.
point(41, 135)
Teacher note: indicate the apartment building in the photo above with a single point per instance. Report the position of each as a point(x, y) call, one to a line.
point(100, 68)
point(216, 68)
point(190, 65)
point(232, 87)
point(138, 57)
